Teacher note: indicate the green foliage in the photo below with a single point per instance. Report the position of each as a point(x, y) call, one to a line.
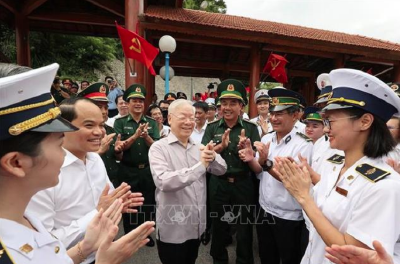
point(78, 56)
point(268, 85)
point(214, 6)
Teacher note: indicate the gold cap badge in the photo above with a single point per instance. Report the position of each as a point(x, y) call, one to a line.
point(103, 89)
point(231, 88)
point(138, 90)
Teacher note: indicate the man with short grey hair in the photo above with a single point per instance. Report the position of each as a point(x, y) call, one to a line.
point(179, 166)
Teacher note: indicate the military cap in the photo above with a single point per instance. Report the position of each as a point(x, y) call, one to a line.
point(96, 92)
point(325, 85)
point(211, 102)
point(354, 88)
point(217, 102)
point(27, 104)
point(181, 95)
point(136, 91)
point(170, 97)
point(283, 98)
point(396, 88)
point(261, 95)
point(233, 89)
point(311, 113)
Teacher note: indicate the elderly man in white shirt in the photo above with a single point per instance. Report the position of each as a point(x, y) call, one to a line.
point(84, 187)
point(179, 167)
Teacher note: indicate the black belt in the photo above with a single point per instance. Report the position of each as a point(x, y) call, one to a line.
point(234, 177)
point(139, 166)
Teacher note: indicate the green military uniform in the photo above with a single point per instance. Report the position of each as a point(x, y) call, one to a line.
point(134, 167)
point(235, 188)
point(98, 93)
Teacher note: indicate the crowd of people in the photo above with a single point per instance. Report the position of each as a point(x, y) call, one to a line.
point(320, 184)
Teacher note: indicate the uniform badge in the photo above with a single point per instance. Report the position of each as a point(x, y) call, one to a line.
point(103, 89)
point(372, 173)
point(337, 159)
point(275, 101)
point(341, 191)
point(169, 96)
point(26, 248)
point(138, 90)
point(394, 87)
point(231, 88)
point(288, 139)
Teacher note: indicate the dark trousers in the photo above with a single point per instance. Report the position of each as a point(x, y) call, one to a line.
point(140, 180)
point(185, 253)
point(279, 239)
point(112, 112)
point(232, 204)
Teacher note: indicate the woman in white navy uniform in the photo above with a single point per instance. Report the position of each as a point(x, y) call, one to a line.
point(31, 136)
point(357, 199)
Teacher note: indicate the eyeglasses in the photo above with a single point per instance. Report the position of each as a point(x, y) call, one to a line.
point(183, 118)
point(327, 122)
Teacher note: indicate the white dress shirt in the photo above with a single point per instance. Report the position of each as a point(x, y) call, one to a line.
point(197, 134)
point(66, 209)
point(180, 180)
point(300, 127)
point(364, 209)
point(40, 246)
point(274, 198)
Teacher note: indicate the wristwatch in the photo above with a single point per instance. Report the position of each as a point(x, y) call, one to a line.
point(268, 165)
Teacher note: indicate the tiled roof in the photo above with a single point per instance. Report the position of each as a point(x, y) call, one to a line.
point(253, 25)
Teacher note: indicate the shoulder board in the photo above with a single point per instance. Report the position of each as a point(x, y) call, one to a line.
point(337, 159)
point(120, 117)
point(213, 122)
point(249, 122)
point(304, 136)
point(4, 255)
point(372, 173)
point(272, 131)
point(149, 117)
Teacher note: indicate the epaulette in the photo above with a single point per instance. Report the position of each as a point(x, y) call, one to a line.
point(121, 117)
point(304, 136)
point(212, 122)
point(4, 255)
point(250, 122)
point(337, 159)
point(372, 173)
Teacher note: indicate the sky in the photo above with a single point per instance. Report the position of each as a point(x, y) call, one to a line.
point(372, 18)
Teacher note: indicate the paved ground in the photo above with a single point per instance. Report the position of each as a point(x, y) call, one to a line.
point(148, 255)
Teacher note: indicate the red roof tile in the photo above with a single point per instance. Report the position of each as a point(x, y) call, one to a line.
point(254, 25)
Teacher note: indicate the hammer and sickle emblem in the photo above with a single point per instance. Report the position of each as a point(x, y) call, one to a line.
point(274, 63)
point(136, 45)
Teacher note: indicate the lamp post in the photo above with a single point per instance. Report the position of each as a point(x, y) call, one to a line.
point(163, 75)
point(167, 45)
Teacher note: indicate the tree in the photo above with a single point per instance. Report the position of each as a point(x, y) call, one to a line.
point(214, 6)
point(78, 56)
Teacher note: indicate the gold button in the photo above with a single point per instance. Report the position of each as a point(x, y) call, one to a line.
point(57, 249)
point(350, 177)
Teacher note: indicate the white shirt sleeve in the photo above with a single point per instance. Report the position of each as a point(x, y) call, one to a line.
point(44, 207)
point(376, 216)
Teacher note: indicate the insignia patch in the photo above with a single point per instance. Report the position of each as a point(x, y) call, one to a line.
point(103, 89)
point(138, 90)
point(169, 96)
point(288, 139)
point(275, 101)
point(230, 88)
point(394, 87)
point(304, 136)
point(341, 191)
point(337, 159)
point(26, 248)
point(372, 173)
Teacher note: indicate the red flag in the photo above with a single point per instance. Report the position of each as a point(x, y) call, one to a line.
point(137, 48)
point(275, 67)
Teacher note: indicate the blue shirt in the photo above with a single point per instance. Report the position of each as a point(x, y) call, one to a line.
point(111, 97)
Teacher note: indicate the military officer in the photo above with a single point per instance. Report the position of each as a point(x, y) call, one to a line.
point(262, 100)
point(347, 205)
point(170, 97)
point(98, 92)
point(233, 193)
point(138, 132)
